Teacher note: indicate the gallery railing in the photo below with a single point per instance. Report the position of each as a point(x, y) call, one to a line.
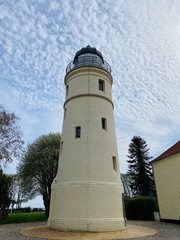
point(94, 61)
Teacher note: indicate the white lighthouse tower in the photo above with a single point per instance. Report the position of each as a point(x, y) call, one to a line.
point(87, 191)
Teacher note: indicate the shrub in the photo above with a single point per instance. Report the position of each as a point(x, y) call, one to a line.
point(21, 210)
point(25, 217)
point(26, 210)
point(38, 210)
point(140, 208)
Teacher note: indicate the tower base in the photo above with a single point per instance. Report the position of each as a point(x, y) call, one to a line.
point(86, 206)
point(87, 225)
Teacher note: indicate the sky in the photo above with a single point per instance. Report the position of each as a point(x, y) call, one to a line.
point(140, 39)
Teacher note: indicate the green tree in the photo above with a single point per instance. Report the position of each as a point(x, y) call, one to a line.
point(139, 168)
point(38, 167)
point(18, 195)
point(5, 196)
point(11, 143)
point(125, 179)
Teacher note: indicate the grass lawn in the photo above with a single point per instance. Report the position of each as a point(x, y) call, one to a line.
point(25, 217)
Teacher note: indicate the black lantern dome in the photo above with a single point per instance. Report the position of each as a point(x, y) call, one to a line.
point(86, 50)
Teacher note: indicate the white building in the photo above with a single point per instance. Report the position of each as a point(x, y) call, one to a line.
point(87, 191)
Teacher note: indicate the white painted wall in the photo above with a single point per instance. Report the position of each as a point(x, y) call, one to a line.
point(87, 192)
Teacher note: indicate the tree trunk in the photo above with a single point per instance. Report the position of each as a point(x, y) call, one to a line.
point(46, 201)
point(3, 215)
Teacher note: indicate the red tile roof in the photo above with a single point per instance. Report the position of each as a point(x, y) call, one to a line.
point(172, 150)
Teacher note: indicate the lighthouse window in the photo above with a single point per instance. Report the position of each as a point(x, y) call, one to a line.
point(67, 90)
point(78, 132)
point(65, 110)
point(104, 123)
point(61, 147)
point(101, 85)
point(114, 163)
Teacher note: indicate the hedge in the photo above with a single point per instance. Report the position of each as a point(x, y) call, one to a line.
point(140, 208)
point(21, 210)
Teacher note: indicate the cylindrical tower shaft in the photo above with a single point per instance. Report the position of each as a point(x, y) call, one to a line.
point(87, 191)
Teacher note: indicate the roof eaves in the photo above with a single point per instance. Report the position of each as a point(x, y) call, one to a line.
point(163, 157)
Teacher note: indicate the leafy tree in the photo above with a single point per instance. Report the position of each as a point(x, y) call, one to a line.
point(11, 143)
point(38, 167)
point(5, 197)
point(126, 180)
point(17, 194)
point(139, 168)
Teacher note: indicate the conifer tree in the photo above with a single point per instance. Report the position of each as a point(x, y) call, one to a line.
point(139, 168)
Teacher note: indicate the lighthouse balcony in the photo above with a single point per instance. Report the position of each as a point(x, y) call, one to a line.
point(88, 61)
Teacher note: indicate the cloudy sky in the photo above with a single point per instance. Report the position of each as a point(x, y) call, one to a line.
point(140, 39)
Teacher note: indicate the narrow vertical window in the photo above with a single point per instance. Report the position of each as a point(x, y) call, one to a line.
point(78, 132)
point(67, 90)
point(65, 109)
point(104, 123)
point(114, 163)
point(101, 85)
point(61, 146)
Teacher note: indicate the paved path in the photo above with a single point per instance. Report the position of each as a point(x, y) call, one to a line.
point(166, 231)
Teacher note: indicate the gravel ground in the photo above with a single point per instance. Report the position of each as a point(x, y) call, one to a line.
point(166, 231)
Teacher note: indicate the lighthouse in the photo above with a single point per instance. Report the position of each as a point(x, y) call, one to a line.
point(87, 192)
